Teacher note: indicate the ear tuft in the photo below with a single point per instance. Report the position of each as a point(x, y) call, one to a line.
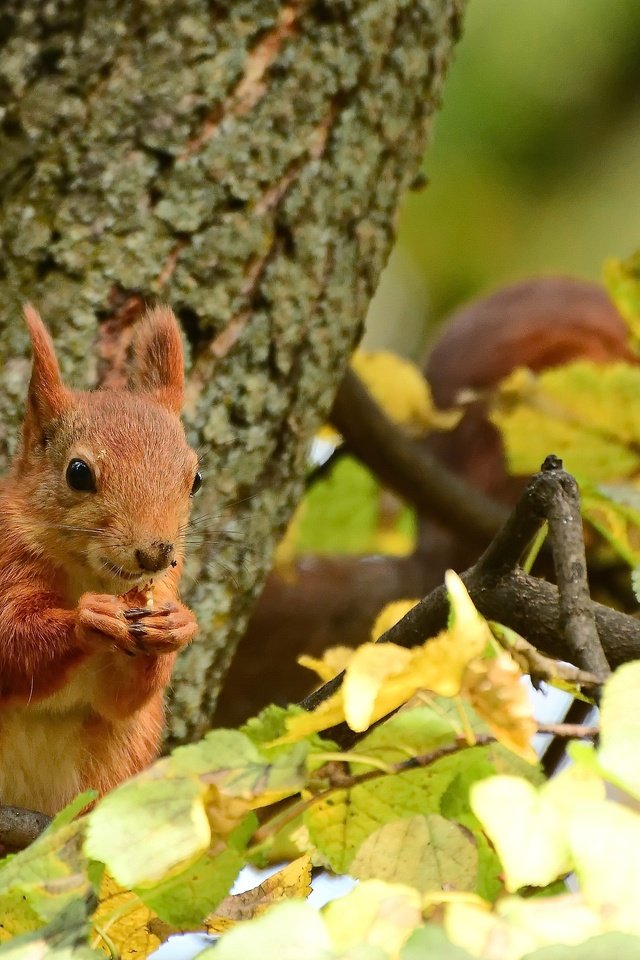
point(47, 397)
point(158, 358)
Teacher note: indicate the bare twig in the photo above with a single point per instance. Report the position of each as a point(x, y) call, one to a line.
point(407, 469)
point(19, 827)
point(552, 757)
point(540, 667)
point(569, 731)
point(577, 618)
point(343, 781)
point(532, 607)
point(339, 780)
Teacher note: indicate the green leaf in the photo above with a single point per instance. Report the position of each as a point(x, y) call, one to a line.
point(605, 842)
point(238, 768)
point(432, 942)
point(622, 279)
point(621, 946)
point(65, 938)
point(528, 827)
point(587, 413)
point(340, 823)
point(184, 899)
point(341, 511)
point(271, 724)
point(518, 926)
point(38, 883)
point(428, 853)
point(289, 930)
point(147, 828)
point(620, 728)
point(456, 806)
point(342, 514)
point(375, 913)
point(71, 811)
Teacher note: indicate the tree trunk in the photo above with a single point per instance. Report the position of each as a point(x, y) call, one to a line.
point(243, 161)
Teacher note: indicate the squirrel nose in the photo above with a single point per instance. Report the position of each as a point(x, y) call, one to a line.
point(156, 557)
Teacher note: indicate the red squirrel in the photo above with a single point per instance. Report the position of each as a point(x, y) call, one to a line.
point(95, 506)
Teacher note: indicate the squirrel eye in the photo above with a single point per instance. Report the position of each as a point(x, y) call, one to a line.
point(79, 476)
point(197, 483)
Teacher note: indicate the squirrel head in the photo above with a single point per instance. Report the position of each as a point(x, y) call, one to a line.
point(105, 478)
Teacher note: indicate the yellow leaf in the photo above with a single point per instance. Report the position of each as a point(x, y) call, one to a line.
point(334, 660)
point(402, 391)
point(496, 692)
point(425, 852)
point(328, 714)
point(622, 279)
point(529, 828)
point(587, 413)
point(293, 881)
point(467, 627)
point(605, 841)
point(516, 927)
point(224, 814)
point(390, 615)
point(131, 931)
point(380, 677)
point(375, 913)
point(392, 542)
point(366, 673)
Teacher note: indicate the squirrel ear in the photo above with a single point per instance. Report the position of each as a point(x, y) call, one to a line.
point(158, 358)
point(47, 397)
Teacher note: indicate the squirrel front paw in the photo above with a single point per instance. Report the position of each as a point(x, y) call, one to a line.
point(162, 629)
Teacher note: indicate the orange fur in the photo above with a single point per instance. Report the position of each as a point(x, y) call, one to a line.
point(83, 663)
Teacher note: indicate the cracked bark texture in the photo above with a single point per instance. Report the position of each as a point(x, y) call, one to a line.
point(242, 161)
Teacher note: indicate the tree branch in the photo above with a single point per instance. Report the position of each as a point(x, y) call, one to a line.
point(548, 617)
point(407, 469)
point(19, 827)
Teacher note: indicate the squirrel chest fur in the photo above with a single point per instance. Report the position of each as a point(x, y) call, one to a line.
point(94, 513)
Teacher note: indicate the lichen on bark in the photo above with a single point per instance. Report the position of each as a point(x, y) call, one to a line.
point(242, 160)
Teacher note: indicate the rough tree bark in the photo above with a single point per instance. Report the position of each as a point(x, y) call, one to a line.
point(242, 160)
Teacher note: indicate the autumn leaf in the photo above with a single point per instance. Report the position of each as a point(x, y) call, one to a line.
point(620, 728)
point(375, 914)
point(402, 391)
point(292, 882)
point(129, 930)
point(42, 881)
point(363, 689)
point(428, 853)
point(390, 615)
point(515, 928)
point(529, 827)
point(605, 843)
point(146, 828)
point(340, 822)
point(169, 816)
point(333, 661)
point(622, 279)
point(64, 938)
point(588, 413)
point(380, 677)
point(495, 691)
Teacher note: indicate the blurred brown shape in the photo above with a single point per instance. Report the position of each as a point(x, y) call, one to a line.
point(537, 323)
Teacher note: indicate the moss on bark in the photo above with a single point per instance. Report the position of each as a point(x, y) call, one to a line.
point(242, 160)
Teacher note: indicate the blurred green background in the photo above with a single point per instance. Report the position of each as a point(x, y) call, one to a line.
point(534, 165)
